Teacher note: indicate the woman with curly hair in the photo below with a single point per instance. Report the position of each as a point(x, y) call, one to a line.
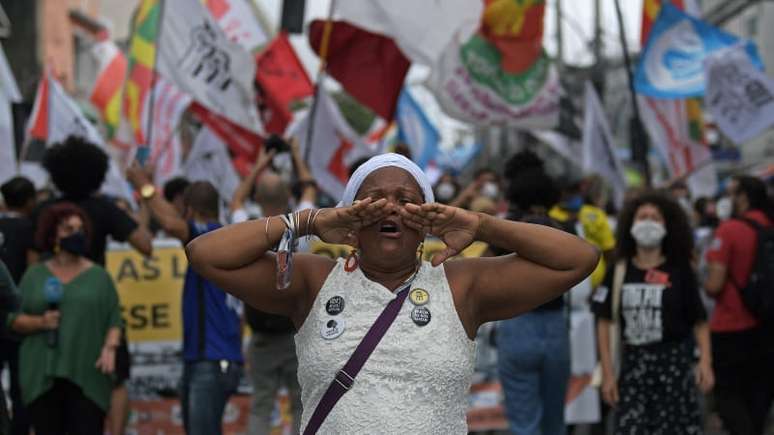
point(661, 319)
point(70, 320)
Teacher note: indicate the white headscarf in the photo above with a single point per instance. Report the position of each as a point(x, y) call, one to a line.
point(383, 161)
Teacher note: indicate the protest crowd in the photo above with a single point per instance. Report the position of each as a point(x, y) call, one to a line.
point(202, 239)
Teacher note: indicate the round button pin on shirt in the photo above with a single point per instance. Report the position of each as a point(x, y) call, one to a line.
point(332, 329)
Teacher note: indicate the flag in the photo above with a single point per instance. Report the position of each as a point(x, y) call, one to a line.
point(651, 9)
point(333, 145)
point(599, 151)
point(739, 96)
point(9, 93)
point(142, 55)
point(669, 127)
point(676, 127)
point(55, 117)
point(416, 131)
point(208, 160)
point(169, 104)
point(671, 65)
point(420, 29)
point(369, 66)
point(239, 22)
point(109, 85)
point(244, 143)
point(283, 80)
point(501, 75)
point(195, 54)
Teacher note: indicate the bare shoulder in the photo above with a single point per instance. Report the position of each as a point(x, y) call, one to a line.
point(459, 274)
point(316, 269)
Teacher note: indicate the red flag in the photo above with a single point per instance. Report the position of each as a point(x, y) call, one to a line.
point(283, 80)
point(369, 66)
point(242, 142)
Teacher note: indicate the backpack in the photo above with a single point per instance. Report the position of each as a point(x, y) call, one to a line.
point(758, 294)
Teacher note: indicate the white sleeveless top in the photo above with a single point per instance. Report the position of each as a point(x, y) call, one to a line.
point(417, 379)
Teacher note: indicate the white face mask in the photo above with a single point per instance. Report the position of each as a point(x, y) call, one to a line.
point(648, 233)
point(490, 190)
point(724, 208)
point(445, 191)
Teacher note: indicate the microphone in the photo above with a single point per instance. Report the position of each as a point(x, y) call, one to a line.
point(53, 293)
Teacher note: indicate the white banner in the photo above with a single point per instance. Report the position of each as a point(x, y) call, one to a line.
point(739, 96)
point(599, 153)
point(9, 93)
point(195, 54)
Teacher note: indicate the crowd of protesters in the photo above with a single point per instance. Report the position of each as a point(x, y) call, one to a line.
point(679, 349)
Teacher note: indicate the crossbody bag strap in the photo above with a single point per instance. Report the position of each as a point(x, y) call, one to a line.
point(618, 278)
point(345, 377)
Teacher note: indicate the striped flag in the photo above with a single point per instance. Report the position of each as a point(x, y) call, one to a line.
point(106, 94)
point(142, 55)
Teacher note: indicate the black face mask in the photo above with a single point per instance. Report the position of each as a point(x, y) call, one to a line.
point(74, 243)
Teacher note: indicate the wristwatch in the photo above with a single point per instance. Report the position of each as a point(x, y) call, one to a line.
point(147, 191)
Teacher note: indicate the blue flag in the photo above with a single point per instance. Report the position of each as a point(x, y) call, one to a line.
point(672, 62)
point(416, 131)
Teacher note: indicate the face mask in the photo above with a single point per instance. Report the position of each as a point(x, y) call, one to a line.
point(490, 190)
point(648, 233)
point(445, 191)
point(74, 243)
point(724, 208)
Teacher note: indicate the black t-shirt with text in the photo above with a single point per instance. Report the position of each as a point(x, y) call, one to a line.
point(17, 237)
point(658, 305)
point(106, 220)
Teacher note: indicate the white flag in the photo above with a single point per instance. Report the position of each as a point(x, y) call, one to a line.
point(421, 29)
point(238, 20)
point(55, 117)
point(739, 96)
point(599, 153)
point(9, 93)
point(169, 105)
point(668, 125)
point(334, 145)
point(195, 53)
point(208, 160)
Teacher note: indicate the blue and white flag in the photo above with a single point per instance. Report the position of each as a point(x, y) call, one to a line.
point(672, 62)
point(416, 131)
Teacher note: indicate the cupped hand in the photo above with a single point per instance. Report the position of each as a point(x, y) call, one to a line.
point(340, 225)
point(456, 227)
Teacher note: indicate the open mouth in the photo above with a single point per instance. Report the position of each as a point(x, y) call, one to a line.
point(389, 228)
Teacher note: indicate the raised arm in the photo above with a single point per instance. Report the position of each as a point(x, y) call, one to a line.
point(547, 262)
point(172, 223)
point(243, 191)
point(237, 257)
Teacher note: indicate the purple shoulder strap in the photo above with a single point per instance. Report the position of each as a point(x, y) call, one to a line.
point(345, 377)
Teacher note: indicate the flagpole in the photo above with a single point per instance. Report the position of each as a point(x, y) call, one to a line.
point(318, 87)
point(143, 155)
point(639, 142)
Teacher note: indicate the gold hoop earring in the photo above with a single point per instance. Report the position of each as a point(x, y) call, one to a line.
point(421, 251)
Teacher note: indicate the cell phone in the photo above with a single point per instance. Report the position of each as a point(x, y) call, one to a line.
point(276, 143)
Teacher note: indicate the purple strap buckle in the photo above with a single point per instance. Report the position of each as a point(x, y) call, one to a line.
point(344, 379)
